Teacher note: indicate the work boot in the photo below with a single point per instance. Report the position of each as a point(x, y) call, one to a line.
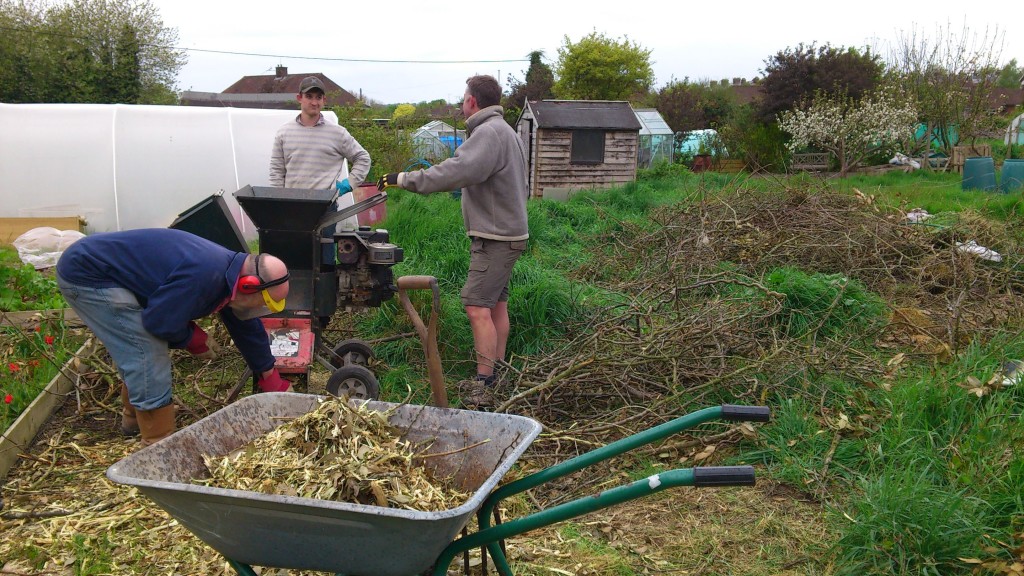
point(157, 424)
point(476, 394)
point(129, 423)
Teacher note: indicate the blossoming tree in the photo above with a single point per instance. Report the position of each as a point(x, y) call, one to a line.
point(849, 128)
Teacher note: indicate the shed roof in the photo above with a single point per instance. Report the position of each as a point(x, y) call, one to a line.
point(651, 122)
point(584, 114)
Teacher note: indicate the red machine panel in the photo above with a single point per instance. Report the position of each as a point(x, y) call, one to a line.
point(291, 343)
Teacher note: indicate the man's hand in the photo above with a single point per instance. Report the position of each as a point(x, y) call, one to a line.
point(387, 180)
point(343, 187)
point(200, 344)
point(273, 382)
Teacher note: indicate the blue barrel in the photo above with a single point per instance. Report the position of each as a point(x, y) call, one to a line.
point(979, 174)
point(1011, 179)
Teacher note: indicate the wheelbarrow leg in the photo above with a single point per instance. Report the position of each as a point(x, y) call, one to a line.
point(242, 569)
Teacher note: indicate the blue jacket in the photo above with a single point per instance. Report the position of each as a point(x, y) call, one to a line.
point(176, 276)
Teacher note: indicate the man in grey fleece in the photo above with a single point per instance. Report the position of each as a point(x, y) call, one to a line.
point(490, 168)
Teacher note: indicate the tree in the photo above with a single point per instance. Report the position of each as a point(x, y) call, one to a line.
point(849, 128)
point(951, 82)
point(403, 110)
point(101, 51)
point(690, 106)
point(794, 76)
point(1010, 76)
point(600, 68)
point(538, 84)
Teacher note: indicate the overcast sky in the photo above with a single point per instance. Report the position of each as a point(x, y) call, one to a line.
point(695, 40)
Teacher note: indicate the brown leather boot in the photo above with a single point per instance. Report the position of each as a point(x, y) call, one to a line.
point(155, 425)
point(129, 423)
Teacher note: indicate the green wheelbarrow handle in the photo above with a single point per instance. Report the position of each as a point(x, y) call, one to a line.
point(711, 476)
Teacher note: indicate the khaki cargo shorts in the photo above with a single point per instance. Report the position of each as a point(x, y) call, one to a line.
point(490, 267)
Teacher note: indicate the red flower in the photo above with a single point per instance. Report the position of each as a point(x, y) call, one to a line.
point(48, 339)
point(13, 367)
point(33, 363)
point(38, 328)
point(8, 399)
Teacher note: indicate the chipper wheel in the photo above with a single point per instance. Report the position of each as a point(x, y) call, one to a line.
point(351, 352)
point(355, 381)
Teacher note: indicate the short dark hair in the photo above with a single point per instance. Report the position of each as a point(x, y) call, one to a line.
point(485, 89)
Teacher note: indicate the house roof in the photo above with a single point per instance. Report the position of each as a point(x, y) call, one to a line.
point(651, 122)
point(1006, 99)
point(584, 114)
point(747, 93)
point(221, 100)
point(284, 83)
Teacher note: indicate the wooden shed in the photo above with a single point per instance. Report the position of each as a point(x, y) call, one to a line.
point(578, 144)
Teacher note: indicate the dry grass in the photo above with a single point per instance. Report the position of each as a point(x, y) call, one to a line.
point(61, 515)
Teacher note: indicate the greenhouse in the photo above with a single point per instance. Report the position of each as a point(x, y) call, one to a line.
point(656, 138)
point(436, 140)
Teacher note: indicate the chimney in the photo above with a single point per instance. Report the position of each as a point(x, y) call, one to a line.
point(282, 71)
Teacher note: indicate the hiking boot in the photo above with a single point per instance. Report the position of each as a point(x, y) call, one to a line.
point(476, 394)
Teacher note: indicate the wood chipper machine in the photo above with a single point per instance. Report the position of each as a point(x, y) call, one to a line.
point(340, 269)
point(345, 268)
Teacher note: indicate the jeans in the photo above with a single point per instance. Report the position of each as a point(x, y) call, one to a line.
point(115, 317)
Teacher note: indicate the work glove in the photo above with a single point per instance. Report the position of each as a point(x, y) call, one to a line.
point(274, 383)
point(199, 345)
point(343, 186)
point(388, 180)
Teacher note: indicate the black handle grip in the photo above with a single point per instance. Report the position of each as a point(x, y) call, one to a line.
point(723, 476)
point(746, 413)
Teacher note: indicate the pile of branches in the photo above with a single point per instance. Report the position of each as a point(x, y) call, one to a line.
point(697, 324)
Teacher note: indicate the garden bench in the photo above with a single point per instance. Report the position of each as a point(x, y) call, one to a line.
point(810, 161)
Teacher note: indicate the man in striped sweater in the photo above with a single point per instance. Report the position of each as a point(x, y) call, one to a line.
point(309, 151)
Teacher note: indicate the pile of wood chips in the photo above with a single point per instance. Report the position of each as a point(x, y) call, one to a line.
point(337, 452)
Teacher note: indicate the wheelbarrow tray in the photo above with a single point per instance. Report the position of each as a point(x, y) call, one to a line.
point(311, 534)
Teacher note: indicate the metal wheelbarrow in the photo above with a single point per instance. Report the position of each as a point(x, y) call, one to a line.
point(256, 529)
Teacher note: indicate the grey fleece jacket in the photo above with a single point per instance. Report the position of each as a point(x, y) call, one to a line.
point(490, 167)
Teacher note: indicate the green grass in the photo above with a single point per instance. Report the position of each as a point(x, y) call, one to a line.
point(933, 191)
point(823, 304)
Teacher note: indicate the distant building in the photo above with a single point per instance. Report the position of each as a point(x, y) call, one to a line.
point(275, 91)
point(577, 144)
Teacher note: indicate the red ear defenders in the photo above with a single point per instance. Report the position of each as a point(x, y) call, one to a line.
point(255, 284)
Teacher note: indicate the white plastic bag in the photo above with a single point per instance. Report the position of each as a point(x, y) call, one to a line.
point(972, 247)
point(42, 247)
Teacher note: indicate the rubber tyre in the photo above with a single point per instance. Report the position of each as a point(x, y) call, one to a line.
point(351, 352)
point(356, 381)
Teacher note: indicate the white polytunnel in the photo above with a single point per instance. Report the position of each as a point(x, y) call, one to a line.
point(121, 166)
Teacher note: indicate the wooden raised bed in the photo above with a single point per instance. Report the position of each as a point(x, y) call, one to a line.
point(11, 228)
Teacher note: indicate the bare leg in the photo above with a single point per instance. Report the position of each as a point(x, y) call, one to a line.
point(499, 315)
point(485, 337)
